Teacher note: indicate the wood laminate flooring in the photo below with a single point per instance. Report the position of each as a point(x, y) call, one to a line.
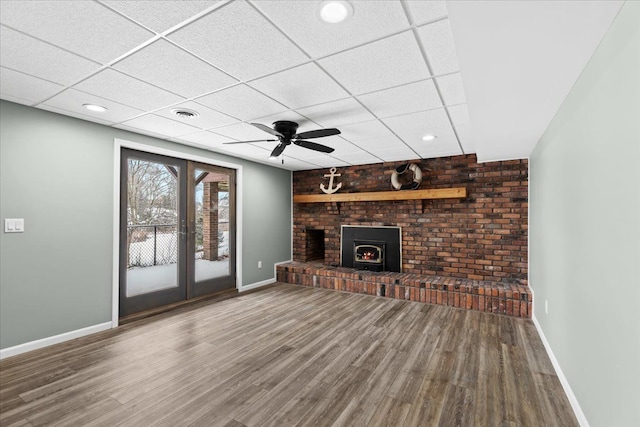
point(293, 356)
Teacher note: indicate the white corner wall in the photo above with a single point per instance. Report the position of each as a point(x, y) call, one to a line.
point(585, 230)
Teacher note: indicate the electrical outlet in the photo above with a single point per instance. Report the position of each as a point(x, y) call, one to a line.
point(259, 264)
point(546, 307)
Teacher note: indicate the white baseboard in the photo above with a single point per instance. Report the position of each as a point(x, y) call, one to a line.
point(56, 339)
point(257, 285)
point(575, 405)
point(264, 282)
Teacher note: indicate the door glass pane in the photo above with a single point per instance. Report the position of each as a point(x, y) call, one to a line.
point(152, 227)
point(212, 225)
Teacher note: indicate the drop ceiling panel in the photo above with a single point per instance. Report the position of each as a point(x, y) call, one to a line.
point(84, 27)
point(159, 15)
point(293, 164)
point(26, 88)
point(72, 100)
point(326, 161)
point(438, 42)
point(31, 56)
point(245, 150)
point(360, 158)
point(402, 99)
point(242, 102)
point(111, 84)
point(171, 68)
point(337, 113)
point(207, 119)
point(300, 86)
point(389, 62)
point(394, 154)
point(240, 41)
point(76, 115)
point(374, 144)
point(426, 11)
point(160, 125)
point(362, 134)
point(370, 21)
point(304, 123)
point(140, 131)
point(15, 99)
point(412, 127)
point(371, 145)
point(451, 89)
point(342, 146)
point(460, 118)
point(243, 132)
point(205, 138)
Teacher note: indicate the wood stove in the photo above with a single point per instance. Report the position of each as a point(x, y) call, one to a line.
point(369, 255)
point(371, 248)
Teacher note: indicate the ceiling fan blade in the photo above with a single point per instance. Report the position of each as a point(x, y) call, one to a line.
point(318, 133)
point(267, 129)
point(245, 142)
point(314, 146)
point(278, 150)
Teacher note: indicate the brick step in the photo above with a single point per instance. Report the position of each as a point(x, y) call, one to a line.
point(510, 299)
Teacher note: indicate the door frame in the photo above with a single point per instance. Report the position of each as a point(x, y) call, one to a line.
point(121, 143)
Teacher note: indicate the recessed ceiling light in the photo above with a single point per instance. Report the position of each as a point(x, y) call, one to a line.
point(334, 11)
point(184, 113)
point(96, 108)
point(429, 137)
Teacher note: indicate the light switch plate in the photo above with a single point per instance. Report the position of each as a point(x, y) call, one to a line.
point(14, 225)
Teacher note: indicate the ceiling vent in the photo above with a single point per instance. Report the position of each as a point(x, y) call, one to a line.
point(183, 113)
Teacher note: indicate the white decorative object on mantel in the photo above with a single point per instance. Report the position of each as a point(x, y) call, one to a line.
point(331, 188)
point(417, 177)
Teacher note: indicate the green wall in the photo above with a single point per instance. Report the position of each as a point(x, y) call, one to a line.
point(57, 173)
point(585, 230)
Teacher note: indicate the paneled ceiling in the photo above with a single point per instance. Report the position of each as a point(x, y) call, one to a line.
point(484, 77)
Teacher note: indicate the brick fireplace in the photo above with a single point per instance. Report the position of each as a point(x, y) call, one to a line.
point(478, 242)
point(480, 237)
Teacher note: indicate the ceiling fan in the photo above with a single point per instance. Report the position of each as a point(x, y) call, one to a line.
point(286, 133)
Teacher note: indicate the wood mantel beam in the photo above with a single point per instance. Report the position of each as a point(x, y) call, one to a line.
point(439, 193)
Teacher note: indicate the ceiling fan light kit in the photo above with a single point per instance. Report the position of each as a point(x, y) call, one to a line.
point(286, 132)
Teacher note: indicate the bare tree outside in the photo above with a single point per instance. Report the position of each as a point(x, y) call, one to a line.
point(152, 193)
point(152, 201)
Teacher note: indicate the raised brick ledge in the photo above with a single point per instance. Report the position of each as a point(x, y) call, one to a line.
point(500, 298)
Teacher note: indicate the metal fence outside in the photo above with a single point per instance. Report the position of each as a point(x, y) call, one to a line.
point(157, 244)
point(150, 245)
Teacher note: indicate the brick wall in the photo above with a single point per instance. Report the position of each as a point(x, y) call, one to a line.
point(481, 237)
point(210, 221)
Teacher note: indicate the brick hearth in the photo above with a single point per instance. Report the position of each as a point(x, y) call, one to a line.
point(500, 298)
